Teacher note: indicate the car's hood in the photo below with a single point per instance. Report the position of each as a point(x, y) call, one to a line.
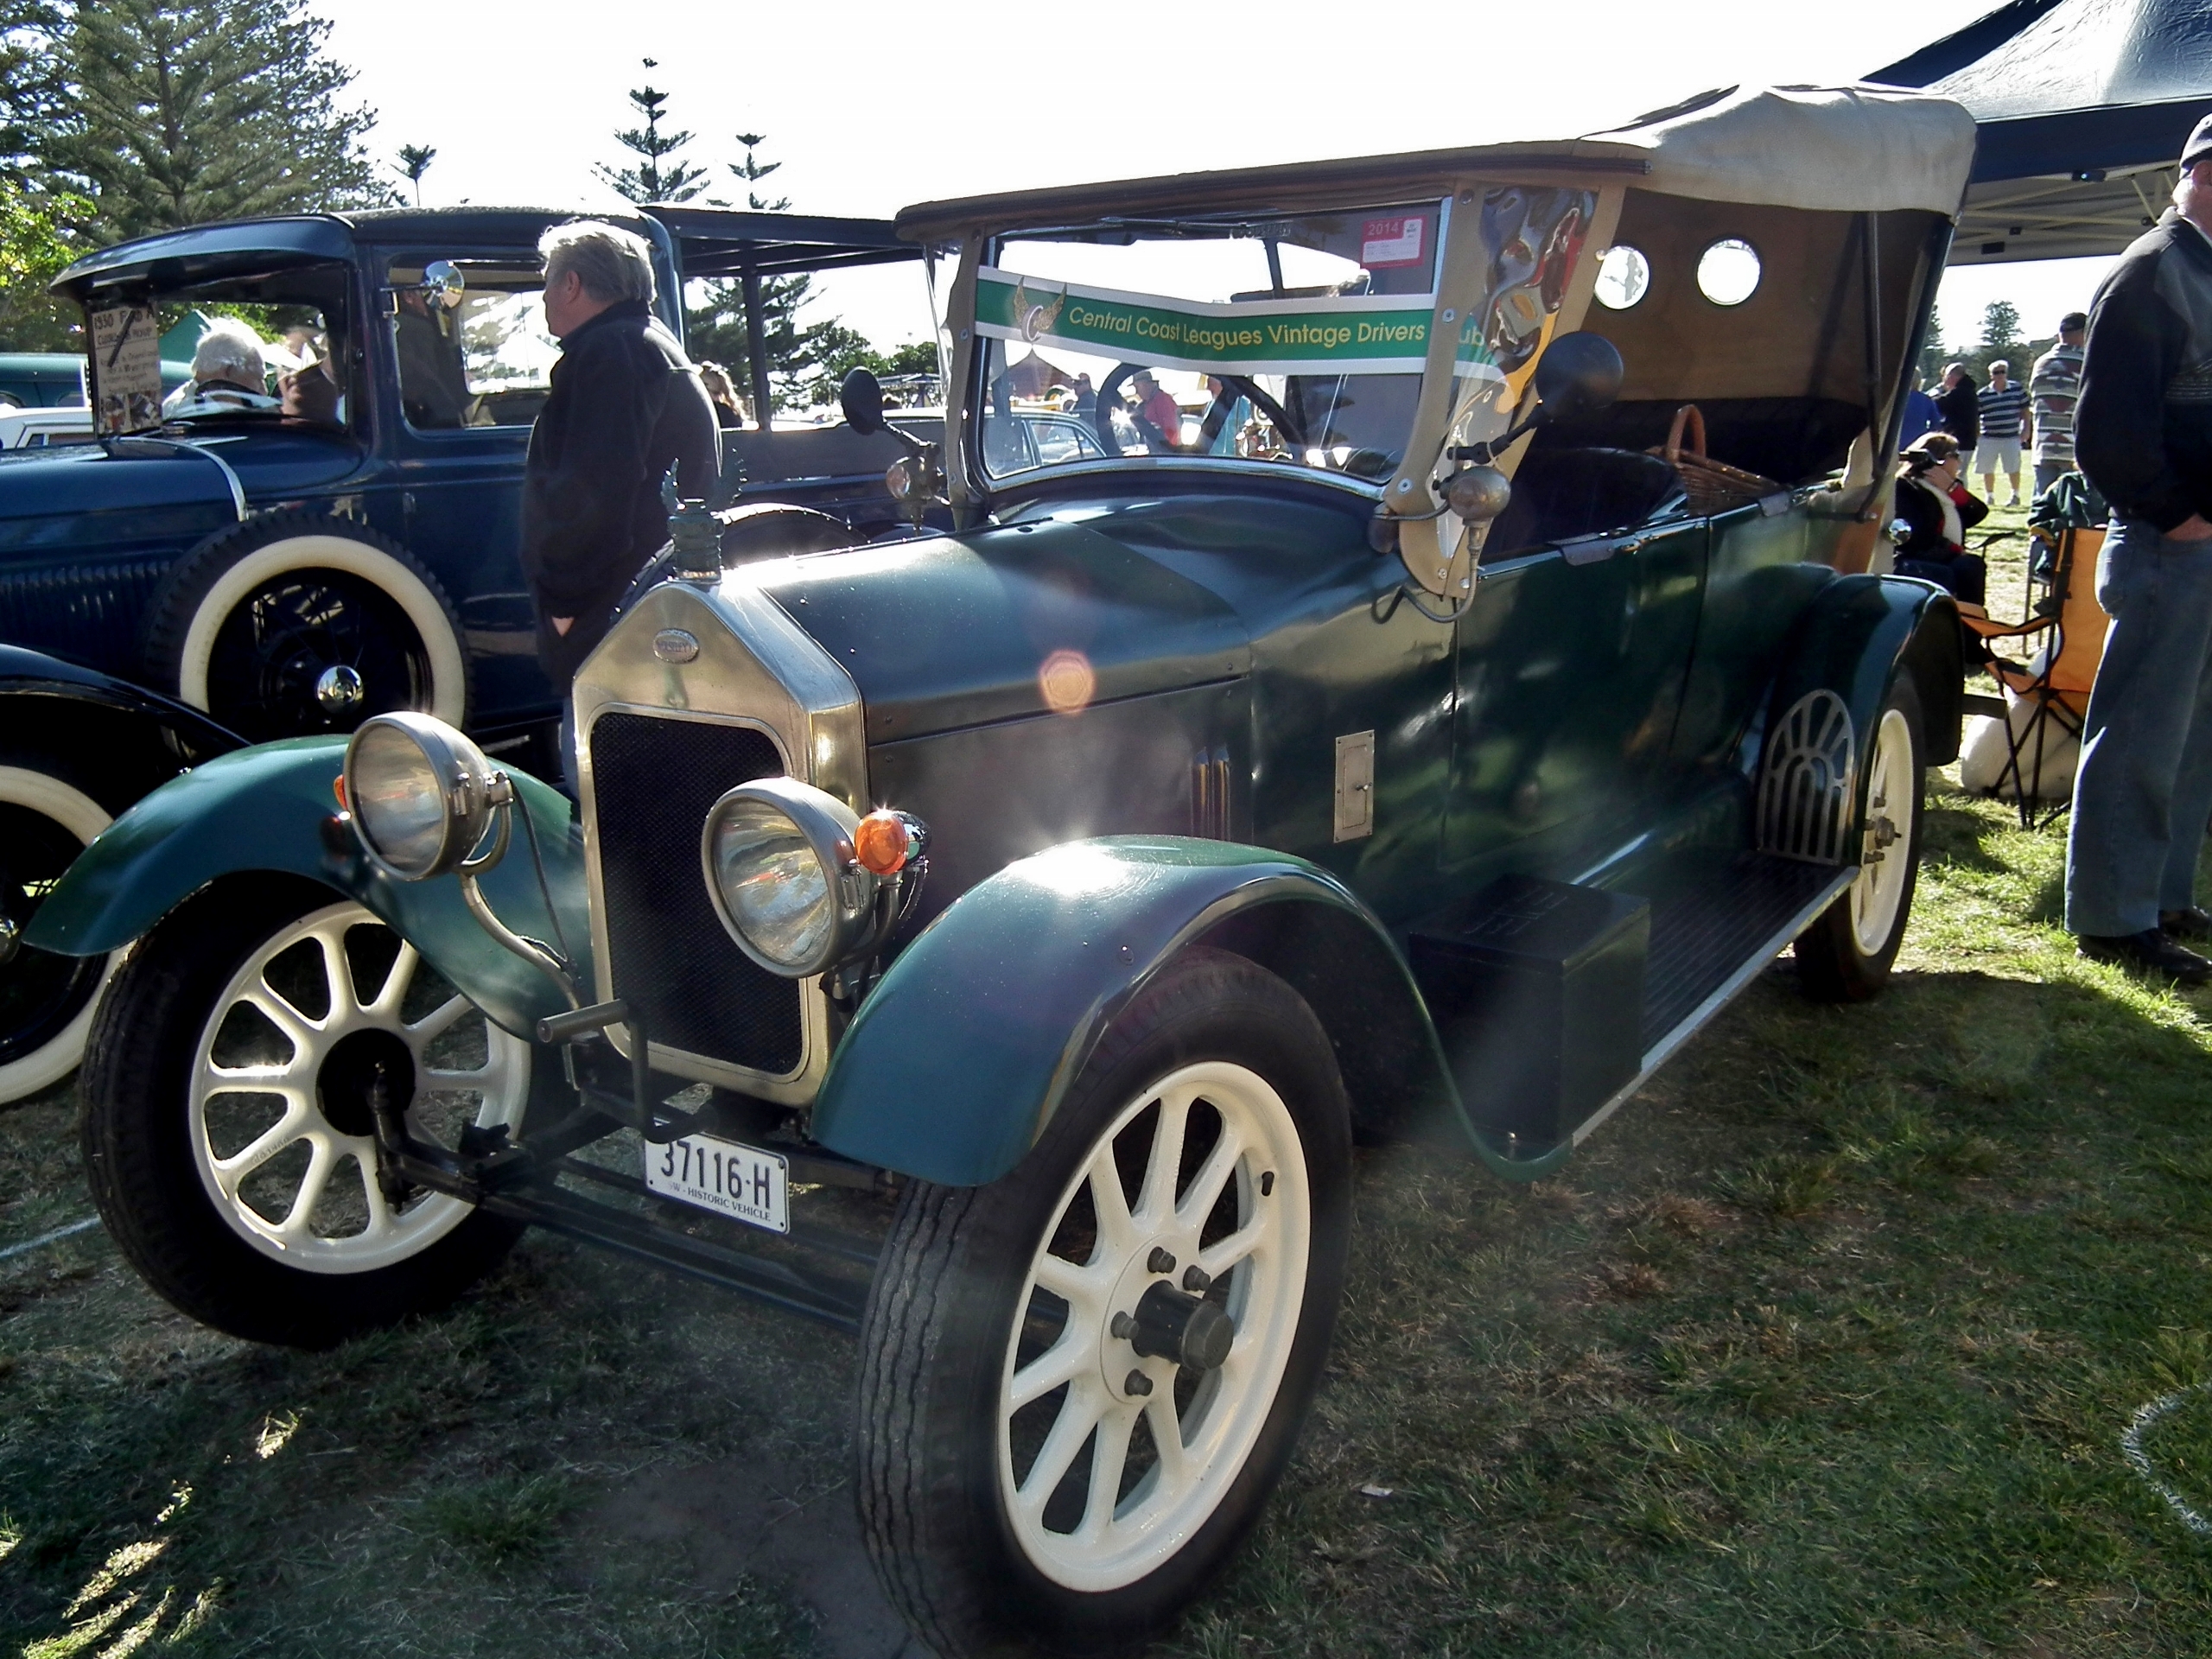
point(82, 478)
point(951, 632)
point(161, 472)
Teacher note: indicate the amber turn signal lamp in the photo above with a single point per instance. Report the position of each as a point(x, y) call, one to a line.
point(879, 843)
point(337, 788)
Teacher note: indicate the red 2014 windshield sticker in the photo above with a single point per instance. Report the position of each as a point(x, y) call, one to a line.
point(1384, 243)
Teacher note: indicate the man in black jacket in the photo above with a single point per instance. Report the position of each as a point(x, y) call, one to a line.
point(1959, 403)
point(2143, 433)
point(626, 406)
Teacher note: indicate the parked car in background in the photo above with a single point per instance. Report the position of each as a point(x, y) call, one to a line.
point(38, 380)
point(1080, 885)
point(56, 379)
point(45, 427)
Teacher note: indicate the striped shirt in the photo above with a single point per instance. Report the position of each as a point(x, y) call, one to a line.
point(2057, 384)
point(2000, 411)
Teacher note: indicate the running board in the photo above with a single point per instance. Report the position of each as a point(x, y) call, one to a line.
point(782, 1284)
point(1820, 895)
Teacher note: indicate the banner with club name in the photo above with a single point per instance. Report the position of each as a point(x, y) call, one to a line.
point(1352, 333)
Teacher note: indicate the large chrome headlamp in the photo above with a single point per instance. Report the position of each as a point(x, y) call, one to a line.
point(421, 795)
point(780, 865)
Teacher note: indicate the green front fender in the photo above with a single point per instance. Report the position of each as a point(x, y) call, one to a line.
point(270, 808)
point(1859, 634)
point(965, 1048)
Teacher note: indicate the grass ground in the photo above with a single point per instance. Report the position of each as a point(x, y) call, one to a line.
point(1825, 1345)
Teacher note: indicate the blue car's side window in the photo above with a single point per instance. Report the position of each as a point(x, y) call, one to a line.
point(477, 356)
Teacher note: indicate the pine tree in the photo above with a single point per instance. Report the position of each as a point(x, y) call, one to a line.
point(2001, 338)
point(414, 161)
point(655, 177)
point(34, 96)
point(1932, 359)
point(187, 110)
point(752, 169)
point(2000, 328)
point(715, 329)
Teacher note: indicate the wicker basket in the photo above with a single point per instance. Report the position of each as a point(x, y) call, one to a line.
point(1713, 486)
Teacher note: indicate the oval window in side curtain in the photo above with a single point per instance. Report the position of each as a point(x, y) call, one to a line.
point(1728, 271)
point(1623, 277)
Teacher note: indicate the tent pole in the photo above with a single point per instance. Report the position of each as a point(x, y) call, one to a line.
point(756, 346)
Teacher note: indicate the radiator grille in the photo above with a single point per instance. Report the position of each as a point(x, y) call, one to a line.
point(653, 780)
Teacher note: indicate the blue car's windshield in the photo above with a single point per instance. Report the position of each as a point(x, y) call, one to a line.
point(230, 361)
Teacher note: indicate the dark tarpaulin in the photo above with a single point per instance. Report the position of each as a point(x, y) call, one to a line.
point(2082, 107)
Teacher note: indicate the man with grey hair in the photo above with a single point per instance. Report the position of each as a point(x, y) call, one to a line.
point(227, 372)
point(626, 406)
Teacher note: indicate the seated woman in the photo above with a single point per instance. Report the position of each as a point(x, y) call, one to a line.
point(1938, 510)
point(228, 373)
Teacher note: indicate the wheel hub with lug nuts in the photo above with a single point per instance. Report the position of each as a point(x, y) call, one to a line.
point(1152, 1328)
point(339, 688)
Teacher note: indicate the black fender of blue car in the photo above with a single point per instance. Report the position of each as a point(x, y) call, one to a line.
point(272, 809)
point(114, 740)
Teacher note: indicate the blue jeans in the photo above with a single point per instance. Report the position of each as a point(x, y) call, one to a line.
point(2144, 787)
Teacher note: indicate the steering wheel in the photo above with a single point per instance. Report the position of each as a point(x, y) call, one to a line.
point(1232, 387)
point(1109, 399)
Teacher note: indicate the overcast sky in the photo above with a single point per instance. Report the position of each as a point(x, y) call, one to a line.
point(872, 107)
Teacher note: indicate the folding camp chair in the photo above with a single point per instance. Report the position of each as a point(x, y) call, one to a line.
point(2071, 625)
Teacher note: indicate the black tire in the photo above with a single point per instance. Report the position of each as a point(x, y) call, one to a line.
point(48, 813)
point(248, 624)
point(1836, 964)
point(957, 1270)
point(140, 1147)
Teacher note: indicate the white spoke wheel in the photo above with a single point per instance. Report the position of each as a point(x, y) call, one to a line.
point(1080, 1382)
point(1846, 955)
point(282, 1122)
point(1220, 1186)
point(229, 1126)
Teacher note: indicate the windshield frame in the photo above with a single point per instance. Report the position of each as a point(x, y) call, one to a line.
point(1432, 541)
point(248, 275)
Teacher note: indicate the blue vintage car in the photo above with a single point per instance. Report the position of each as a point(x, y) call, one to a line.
point(295, 571)
point(292, 573)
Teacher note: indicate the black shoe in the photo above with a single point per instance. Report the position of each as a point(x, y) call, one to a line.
point(2150, 953)
point(2195, 922)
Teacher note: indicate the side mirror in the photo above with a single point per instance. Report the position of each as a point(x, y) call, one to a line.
point(861, 397)
point(444, 284)
point(1580, 374)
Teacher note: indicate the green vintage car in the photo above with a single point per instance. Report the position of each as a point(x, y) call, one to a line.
point(1439, 657)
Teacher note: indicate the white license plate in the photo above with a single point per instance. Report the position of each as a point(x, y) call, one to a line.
point(742, 1182)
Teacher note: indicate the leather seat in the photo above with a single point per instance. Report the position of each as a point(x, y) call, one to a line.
point(1558, 494)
